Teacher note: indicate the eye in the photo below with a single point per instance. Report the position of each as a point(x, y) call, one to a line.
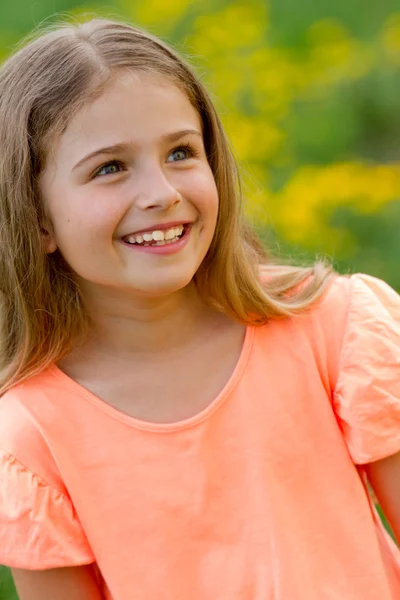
point(110, 168)
point(184, 152)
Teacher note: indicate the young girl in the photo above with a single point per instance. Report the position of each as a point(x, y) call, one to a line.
point(181, 417)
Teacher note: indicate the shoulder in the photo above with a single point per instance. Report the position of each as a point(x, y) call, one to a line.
point(354, 297)
point(21, 436)
point(16, 425)
point(360, 304)
point(357, 316)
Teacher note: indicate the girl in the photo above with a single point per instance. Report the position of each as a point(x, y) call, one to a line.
point(181, 417)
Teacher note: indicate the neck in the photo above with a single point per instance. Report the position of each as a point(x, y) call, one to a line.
point(129, 326)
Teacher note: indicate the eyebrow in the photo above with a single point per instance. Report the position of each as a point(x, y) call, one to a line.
point(115, 148)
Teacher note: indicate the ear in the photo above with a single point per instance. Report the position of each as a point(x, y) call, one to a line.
point(48, 239)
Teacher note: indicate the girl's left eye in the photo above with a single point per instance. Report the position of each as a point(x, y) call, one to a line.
point(183, 152)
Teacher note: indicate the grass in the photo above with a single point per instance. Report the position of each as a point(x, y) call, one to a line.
point(7, 588)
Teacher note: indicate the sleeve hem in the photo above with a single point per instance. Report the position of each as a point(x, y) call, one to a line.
point(390, 450)
point(31, 562)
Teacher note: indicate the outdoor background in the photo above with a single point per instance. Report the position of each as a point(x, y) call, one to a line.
point(309, 92)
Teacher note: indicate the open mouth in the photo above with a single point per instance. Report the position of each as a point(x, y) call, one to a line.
point(158, 237)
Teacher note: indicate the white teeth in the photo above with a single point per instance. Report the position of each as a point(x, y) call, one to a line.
point(168, 235)
point(157, 236)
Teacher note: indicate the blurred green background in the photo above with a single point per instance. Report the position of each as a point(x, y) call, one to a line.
point(309, 93)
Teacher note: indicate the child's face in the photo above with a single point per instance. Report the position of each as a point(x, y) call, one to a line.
point(149, 181)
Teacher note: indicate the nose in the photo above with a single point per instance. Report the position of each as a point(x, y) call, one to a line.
point(154, 191)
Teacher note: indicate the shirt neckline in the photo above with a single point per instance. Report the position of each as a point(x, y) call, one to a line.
point(136, 423)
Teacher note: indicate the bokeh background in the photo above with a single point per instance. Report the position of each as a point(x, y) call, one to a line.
point(309, 93)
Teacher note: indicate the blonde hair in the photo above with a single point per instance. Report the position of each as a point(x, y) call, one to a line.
point(41, 86)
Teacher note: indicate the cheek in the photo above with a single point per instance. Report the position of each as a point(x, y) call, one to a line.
point(86, 217)
point(207, 195)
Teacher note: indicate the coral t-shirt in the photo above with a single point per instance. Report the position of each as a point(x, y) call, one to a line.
point(261, 496)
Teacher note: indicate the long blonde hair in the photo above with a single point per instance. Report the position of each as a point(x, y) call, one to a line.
point(42, 85)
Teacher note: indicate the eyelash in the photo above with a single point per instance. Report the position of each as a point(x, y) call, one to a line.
point(192, 152)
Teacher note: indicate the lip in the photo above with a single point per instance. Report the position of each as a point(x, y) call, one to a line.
point(158, 226)
point(165, 249)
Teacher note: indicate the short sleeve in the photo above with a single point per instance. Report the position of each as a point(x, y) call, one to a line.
point(39, 528)
point(367, 393)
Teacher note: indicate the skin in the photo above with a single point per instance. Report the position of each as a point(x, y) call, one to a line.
point(147, 316)
point(384, 476)
point(157, 183)
point(64, 583)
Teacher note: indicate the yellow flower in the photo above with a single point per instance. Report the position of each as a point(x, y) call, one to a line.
point(155, 12)
point(253, 138)
point(300, 211)
point(391, 38)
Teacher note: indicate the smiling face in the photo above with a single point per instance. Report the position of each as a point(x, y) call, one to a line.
point(132, 161)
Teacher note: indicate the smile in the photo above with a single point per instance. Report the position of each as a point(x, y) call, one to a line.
point(157, 237)
point(169, 241)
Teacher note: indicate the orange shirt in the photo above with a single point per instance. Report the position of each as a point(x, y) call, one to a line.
point(261, 496)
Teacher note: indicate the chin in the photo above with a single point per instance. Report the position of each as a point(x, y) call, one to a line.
point(169, 285)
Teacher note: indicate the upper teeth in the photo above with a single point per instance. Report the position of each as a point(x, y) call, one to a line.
point(157, 235)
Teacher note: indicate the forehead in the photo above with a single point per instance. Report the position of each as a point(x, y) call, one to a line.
point(135, 108)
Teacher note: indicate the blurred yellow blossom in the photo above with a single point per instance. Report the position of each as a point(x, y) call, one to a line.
point(391, 38)
point(255, 85)
point(301, 209)
point(254, 139)
point(157, 13)
point(239, 25)
point(335, 55)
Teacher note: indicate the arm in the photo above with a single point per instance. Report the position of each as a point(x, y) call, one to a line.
point(64, 583)
point(384, 477)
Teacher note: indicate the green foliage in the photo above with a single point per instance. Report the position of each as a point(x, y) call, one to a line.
point(362, 18)
point(7, 587)
point(309, 93)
